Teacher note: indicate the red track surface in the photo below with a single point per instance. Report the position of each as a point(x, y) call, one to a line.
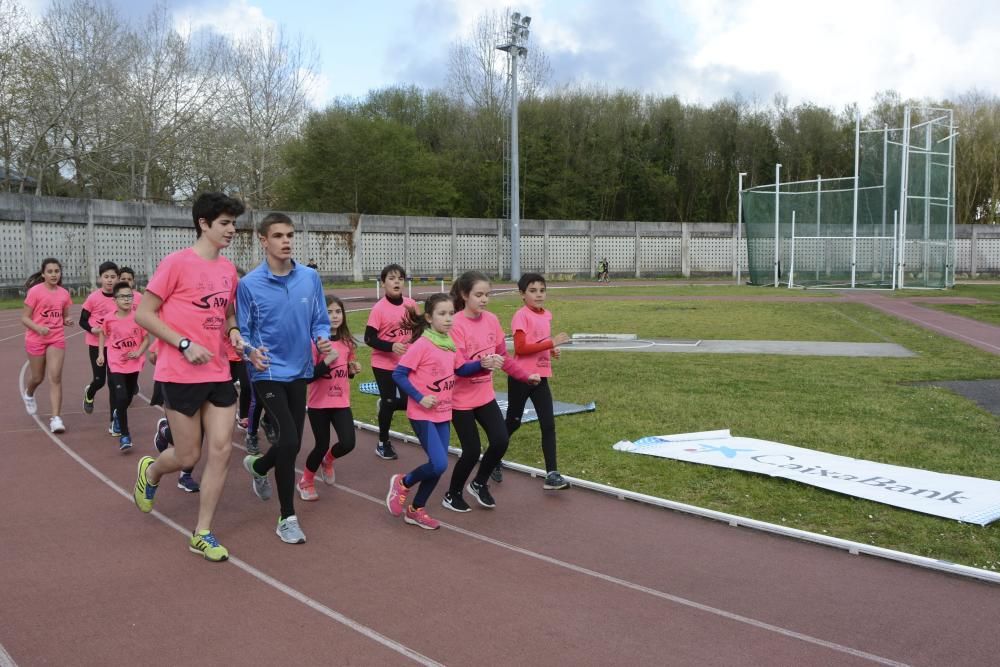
point(556, 578)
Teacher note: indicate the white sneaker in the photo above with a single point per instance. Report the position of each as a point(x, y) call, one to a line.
point(289, 532)
point(30, 404)
point(56, 425)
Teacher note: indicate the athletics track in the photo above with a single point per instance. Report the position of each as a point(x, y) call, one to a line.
point(570, 578)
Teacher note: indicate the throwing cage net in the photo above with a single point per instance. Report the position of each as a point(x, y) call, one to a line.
point(890, 225)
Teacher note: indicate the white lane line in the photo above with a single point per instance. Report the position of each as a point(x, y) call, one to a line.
point(5, 659)
point(241, 564)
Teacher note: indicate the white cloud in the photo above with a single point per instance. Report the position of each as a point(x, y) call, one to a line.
point(235, 18)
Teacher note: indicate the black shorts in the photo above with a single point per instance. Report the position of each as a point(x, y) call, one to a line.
point(157, 397)
point(187, 399)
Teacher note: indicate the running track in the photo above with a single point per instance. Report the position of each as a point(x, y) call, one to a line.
point(571, 578)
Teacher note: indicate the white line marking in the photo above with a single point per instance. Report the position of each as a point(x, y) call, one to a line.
point(5, 658)
point(241, 564)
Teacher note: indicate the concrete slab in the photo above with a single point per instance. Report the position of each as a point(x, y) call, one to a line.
point(786, 347)
point(985, 393)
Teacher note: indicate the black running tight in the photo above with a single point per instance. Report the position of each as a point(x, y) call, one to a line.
point(285, 403)
point(464, 421)
point(518, 394)
point(320, 419)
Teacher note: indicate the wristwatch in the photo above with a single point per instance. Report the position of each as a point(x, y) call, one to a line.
point(183, 344)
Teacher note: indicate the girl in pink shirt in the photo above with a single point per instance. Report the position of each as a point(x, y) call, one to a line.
point(477, 334)
point(427, 374)
point(122, 345)
point(329, 401)
point(534, 348)
point(45, 317)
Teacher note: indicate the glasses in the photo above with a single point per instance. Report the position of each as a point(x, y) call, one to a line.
point(127, 297)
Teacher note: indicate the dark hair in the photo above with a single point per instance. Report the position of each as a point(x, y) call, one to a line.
point(417, 323)
point(273, 219)
point(107, 266)
point(37, 278)
point(127, 269)
point(120, 285)
point(527, 279)
point(210, 205)
point(461, 287)
point(342, 332)
point(389, 268)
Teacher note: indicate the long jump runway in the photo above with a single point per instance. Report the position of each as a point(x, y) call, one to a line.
point(554, 578)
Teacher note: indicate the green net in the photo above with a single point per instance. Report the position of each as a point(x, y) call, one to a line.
point(806, 233)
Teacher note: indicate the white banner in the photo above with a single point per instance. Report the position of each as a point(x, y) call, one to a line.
point(968, 499)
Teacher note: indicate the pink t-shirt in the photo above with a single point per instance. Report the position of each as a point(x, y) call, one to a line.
point(433, 374)
point(387, 320)
point(47, 309)
point(121, 336)
point(99, 305)
point(536, 327)
point(333, 391)
point(196, 294)
point(475, 339)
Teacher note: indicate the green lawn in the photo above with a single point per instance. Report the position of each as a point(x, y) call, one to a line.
point(866, 408)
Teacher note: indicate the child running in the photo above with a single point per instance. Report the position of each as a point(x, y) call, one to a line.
point(46, 316)
point(98, 305)
point(329, 402)
point(427, 374)
point(386, 335)
point(477, 334)
point(534, 348)
point(125, 343)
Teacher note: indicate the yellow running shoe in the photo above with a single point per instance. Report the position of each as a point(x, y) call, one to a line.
point(144, 492)
point(203, 542)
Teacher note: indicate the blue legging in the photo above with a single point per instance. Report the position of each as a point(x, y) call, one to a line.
point(434, 439)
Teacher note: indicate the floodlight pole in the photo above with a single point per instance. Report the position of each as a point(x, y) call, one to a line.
point(517, 32)
point(739, 224)
point(777, 229)
point(854, 215)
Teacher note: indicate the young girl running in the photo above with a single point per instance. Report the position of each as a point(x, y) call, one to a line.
point(427, 374)
point(534, 347)
point(329, 402)
point(386, 334)
point(46, 316)
point(125, 343)
point(98, 305)
point(477, 334)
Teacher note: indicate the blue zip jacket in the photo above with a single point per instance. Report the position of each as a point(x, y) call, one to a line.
point(284, 314)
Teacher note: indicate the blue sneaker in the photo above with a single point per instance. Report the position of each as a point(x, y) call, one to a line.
point(115, 429)
point(187, 483)
point(161, 440)
point(124, 443)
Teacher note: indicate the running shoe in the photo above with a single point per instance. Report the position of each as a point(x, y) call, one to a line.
point(261, 484)
point(395, 500)
point(326, 472)
point(307, 491)
point(242, 423)
point(56, 424)
point(161, 439)
point(384, 450)
point(420, 517)
point(30, 404)
point(115, 428)
point(252, 444)
point(270, 429)
point(188, 484)
point(203, 542)
point(144, 492)
point(481, 492)
point(455, 502)
point(88, 403)
point(555, 482)
point(124, 443)
point(289, 532)
point(497, 474)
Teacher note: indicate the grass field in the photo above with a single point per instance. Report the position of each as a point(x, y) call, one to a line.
point(861, 407)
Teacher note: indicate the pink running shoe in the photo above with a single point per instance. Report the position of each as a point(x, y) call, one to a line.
point(326, 472)
point(307, 491)
point(420, 517)
point(395, 500)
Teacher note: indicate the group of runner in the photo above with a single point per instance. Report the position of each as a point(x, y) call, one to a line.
point(276, 331)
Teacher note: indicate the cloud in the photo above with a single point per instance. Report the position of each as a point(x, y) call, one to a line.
point(232, 18)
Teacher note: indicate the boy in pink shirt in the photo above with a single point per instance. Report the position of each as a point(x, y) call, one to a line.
point(534, 348)
point(124, 342)
point(387, 336)
point(99, 304)
point(189, 307)
point(45, 318)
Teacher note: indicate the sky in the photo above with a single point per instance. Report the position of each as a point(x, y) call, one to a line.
point(831, 54)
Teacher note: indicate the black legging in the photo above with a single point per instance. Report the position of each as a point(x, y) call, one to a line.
point(464, 421)
point(392, 399)
point(122, 387)
point(100, 376)
point(238, 371)
point(518, 394)
point(285, 403)
point(320, 420)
